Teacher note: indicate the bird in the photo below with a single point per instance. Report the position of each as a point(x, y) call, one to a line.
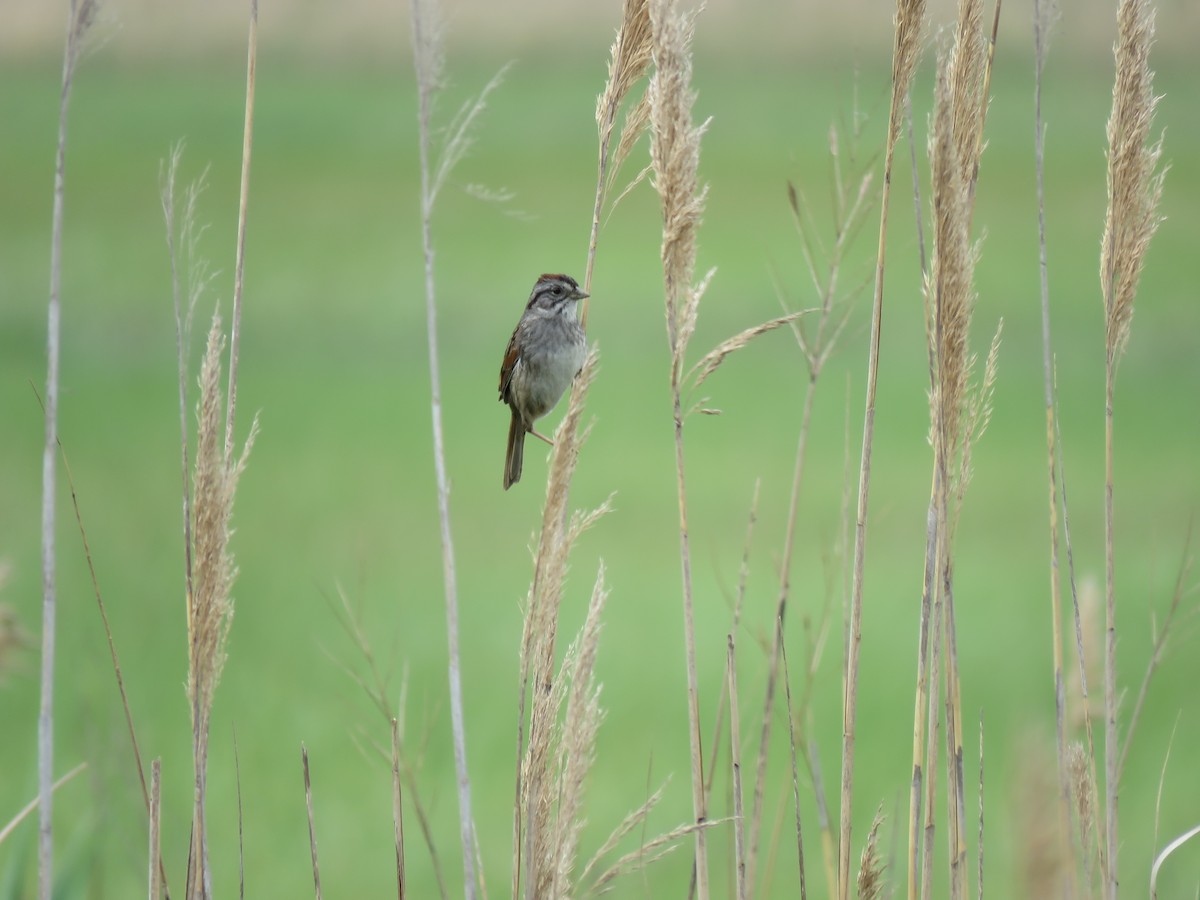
point(544, 354)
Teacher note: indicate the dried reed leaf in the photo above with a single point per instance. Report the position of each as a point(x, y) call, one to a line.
point(634, 182)
point(652, 851)
point(630, 822)
point(636, 121)
point(713, 359)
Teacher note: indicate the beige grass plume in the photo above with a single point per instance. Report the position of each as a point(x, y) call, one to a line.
point(210, 599)
point(1134, 180)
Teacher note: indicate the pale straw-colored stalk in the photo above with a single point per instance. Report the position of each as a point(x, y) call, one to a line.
point(1134, 190)
point(675, 159)
point(909, 20)
point(82, 14)
point(427, 37)
point(1044, 14)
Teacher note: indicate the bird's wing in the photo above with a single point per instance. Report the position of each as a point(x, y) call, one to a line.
point(511, 357)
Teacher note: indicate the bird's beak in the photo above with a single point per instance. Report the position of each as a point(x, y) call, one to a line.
point(581, 294)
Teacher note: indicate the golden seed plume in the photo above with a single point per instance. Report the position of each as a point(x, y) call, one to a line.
point(1134, 180)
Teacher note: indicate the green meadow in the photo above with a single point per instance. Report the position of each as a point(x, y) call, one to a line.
point(339, 498)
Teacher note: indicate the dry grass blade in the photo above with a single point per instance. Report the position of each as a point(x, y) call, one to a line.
point(650, 852)
point(312, 830)
point(1165, 854)
point(239, 280)
point(712, 360)
point(397, 811)
point(628, 824)
point(33, 804)
point(818, 784)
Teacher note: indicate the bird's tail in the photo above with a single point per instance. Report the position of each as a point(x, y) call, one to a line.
point(516, 451)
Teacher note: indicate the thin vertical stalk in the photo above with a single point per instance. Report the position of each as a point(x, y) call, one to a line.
point(909, 16)
point(1111, 738)
point(239, 266)
point(1042, 20)
point(80, 17)
point(735, 761)
point(426, 85)
point(155, 827)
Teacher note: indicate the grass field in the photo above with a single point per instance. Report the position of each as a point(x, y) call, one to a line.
point(339, 494)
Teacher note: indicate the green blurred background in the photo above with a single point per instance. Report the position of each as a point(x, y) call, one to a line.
point(339, 493)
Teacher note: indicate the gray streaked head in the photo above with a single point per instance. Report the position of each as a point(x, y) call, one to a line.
point(555, 293)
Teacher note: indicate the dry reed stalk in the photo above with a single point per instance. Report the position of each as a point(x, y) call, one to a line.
point(675, 159)
point(629, 60)
point(816, 779)
point(1044, 14)
point(237, 777)
point(312, 830)
point(155, 854)
point(1134, 190)
point(905, 50)
point(239, 267)
point(979, 839)
point(735, 762)
point(427, 62)
point(739, 602)
point(82, 14)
